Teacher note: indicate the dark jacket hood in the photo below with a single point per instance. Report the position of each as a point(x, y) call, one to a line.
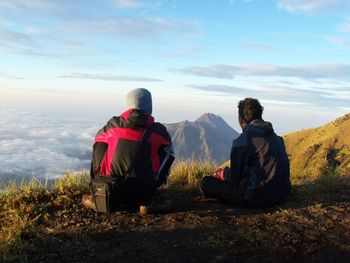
point(137, 119)
point(259, 126)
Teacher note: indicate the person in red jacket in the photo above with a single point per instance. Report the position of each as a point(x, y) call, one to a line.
point(120, 148)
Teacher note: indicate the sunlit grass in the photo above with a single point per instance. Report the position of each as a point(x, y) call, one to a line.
point(24, 205)
point(187, 174)
point(71, 181)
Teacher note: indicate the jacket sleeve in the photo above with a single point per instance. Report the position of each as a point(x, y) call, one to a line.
point(98, 152)
point(238, 159)
point(100, 148)
point(166, 157)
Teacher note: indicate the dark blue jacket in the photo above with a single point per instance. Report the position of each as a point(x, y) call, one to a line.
point(260, 165)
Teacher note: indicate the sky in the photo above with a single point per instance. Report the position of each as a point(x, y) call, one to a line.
point(66, 66)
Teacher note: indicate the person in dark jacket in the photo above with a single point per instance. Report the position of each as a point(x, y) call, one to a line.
point(120, 148)
point(259, 171)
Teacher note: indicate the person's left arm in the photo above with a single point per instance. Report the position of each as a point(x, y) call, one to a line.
point(165, 153)
point(238, 159)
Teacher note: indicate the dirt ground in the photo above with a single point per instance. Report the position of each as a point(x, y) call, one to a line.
point(196, 230)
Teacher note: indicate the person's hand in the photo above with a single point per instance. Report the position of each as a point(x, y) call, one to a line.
point(219, 173)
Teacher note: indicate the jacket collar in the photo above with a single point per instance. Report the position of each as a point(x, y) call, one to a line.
point(259, 126)
point(137, 118)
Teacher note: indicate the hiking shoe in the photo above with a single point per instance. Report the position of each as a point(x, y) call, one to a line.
point(88, 202)
point(156, 207)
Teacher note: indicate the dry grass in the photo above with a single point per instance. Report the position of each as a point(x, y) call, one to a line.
point(187, 174)
point(27, 209)
point(313, 150)
point(23, 205)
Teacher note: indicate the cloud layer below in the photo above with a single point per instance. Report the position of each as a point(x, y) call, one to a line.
point(33, 144)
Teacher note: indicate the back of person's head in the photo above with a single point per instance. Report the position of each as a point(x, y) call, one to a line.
point(139, 99)
point(250, 109)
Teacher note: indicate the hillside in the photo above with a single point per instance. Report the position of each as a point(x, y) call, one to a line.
point(315, 150)
point(51, 225)
point(207, 138)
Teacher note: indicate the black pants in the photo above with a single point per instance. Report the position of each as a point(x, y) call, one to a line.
point(134, 193)
point(128, 191)
point(223, 191)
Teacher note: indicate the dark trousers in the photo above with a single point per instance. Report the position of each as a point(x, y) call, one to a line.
point(134, 193)
point(222, 190)
point(126, 191)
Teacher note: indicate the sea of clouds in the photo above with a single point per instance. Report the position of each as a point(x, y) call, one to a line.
point(33, 143)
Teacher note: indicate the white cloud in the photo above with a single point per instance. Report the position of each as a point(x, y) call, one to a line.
point(258, 46)
point(39, 133)
point(109, 77)
point(38, 43)
point(309, 72)
point(335, 40)
point(16, 38)
point(244, 1)
point(130, 26)
point(4, 75)
point(312, 6)
point(86, 136)
point(63, 29)
point(344, 27)
point(34, 4)
point(129, 3)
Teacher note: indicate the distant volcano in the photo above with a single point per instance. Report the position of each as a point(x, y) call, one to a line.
point(208, 137)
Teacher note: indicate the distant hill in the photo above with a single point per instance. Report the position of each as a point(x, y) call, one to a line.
point(315, 149)
point(208, 137)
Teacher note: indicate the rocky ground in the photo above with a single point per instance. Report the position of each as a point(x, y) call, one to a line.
point(196, 230)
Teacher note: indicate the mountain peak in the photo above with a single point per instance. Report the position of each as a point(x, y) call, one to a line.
point(210, 118)
point(208, 137)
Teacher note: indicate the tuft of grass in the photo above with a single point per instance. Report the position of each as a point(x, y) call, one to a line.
point(72, 181)
point(23, 205)
point(187, 174)
point(13, 186)
point(328, 184)
point(330, 180)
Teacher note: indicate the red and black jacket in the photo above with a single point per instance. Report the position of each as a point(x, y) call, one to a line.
point(117, 143)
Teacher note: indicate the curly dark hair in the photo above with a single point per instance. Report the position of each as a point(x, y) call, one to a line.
point(250, 109)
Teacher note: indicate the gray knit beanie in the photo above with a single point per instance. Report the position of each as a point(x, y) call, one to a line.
point(139, 99)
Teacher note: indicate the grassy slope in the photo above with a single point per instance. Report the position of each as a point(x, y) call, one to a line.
point(314, 150)
point(50, 225)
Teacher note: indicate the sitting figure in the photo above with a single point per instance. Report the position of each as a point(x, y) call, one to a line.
point(131, 158)
point(259, 171)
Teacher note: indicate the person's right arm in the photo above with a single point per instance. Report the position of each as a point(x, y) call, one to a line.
point(99, 148)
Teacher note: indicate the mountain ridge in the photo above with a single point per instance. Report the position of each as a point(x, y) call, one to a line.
point(318, 149)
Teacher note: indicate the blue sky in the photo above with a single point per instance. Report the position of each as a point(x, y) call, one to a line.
point(79, 58)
